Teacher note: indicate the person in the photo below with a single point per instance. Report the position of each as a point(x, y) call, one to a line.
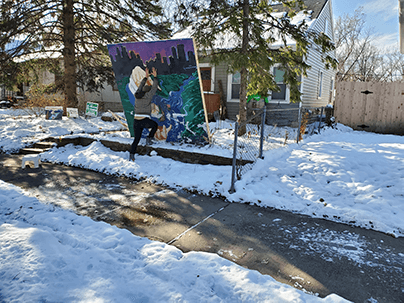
point(143, 108)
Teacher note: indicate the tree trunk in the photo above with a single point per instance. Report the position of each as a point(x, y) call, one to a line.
point(243, 71)
point(223, 103)
point(70, 84)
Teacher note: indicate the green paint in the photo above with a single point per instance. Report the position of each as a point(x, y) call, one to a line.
point(127, 106)
point(256, 98)
point(192, 105)
point(170, 83)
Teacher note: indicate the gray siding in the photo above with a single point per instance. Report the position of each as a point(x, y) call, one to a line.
point(107, 98)
point(282, 114)
point(221, 73)
point(311, 83)
point(232, 110)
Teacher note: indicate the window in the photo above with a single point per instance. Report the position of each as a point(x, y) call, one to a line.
point(331, 90)
point(320, 84)
point(233, 87)
point(326, 27)
point(279, 78)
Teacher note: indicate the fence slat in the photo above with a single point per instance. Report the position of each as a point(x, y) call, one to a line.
point(381, 111)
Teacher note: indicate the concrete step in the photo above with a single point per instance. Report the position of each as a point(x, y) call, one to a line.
point(45, 145)
point(27, 151)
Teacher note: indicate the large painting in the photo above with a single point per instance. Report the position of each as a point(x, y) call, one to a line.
point(177, 106)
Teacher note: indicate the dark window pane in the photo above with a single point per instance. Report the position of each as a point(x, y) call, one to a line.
point(205, 74)
point(280, 95)
point(235, 91)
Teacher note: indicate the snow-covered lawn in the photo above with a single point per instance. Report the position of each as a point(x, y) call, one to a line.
point(341, 175)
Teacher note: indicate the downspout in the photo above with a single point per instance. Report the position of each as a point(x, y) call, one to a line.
point(401, 22)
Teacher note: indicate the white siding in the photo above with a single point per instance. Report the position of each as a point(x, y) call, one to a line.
point(311, 83)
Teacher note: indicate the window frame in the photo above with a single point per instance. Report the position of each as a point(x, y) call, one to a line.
point(229, 88)
point(326, 27)
point(320, 84)
point(287, 92)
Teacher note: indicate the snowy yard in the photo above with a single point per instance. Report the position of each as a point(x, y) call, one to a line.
point(341, 175)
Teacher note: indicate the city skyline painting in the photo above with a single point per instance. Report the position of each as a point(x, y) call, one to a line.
point(177, 106)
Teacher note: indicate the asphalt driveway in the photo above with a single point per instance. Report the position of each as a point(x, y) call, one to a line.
point(317, 256)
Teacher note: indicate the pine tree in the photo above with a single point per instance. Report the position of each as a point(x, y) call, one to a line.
point(243, 34)
point(77, 31)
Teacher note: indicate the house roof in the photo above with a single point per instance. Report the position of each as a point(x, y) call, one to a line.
point(315, 6)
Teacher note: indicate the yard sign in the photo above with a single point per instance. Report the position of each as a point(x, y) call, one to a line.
point(72, 112)
point(53, 112)
point(178, 105)
point(92, 109)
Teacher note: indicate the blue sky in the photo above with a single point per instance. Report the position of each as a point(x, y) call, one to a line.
point(381, 15)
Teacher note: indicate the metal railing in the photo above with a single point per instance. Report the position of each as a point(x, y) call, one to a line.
point(248, 147)
point(257, 131)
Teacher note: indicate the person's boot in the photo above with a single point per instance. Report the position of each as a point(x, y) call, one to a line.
point(149, 141)
point(131, 157)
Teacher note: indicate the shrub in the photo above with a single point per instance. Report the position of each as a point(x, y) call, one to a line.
point(39, 96)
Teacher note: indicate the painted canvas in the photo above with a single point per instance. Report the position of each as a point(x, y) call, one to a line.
point(177, 106)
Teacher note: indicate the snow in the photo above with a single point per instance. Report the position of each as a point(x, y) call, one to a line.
point(51, 254)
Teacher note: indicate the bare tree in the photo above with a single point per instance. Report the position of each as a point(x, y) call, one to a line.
point(368, 64)
point(353, 42)
point(392, 68)
point(358, 57)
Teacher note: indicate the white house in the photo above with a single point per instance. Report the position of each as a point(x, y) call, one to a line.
point(317, 88)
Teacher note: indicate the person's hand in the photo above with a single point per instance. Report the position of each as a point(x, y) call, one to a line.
point(154, 72)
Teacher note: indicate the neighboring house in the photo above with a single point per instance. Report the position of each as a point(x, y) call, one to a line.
point(108, 98)
point(317, 88)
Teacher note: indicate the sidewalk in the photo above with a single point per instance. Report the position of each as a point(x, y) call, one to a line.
point(316, 255)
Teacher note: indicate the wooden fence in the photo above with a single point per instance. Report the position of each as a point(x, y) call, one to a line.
point(372, 106)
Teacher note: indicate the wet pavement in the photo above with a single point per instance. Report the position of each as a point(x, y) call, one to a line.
point(315, 255)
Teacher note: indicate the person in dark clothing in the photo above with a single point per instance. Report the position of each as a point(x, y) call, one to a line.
point(143, 110)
